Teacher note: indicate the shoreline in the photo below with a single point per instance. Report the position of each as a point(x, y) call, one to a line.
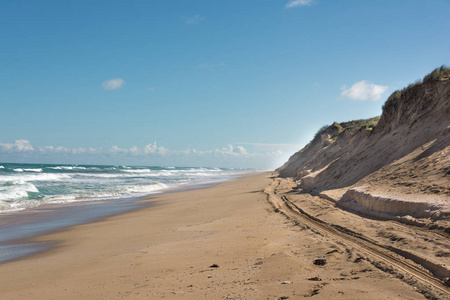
point(221, 242)
point(17, 228)
point(28, 186)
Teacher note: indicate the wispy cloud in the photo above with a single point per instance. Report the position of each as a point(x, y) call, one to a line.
point(233, 155)
point(296, 3)
point(364, 90)
point(113, 84)
point(231, 150)
point(150, 149)
point(194, 19)
point(20, 146)
point(58, 149)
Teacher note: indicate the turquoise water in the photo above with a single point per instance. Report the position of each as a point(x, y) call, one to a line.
point(30, 185)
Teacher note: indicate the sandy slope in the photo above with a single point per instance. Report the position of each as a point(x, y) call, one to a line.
point(166, 251)
point(399, 168)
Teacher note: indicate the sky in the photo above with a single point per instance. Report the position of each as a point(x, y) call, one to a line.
point(202, 82)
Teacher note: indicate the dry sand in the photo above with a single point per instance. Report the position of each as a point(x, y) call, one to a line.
point(166, 250)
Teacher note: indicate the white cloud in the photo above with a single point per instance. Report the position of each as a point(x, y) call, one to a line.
point(295, 3)
point(232, 155)
point(116, 150)
point(236, 151)
point(134, 150)
point(193, 152)
point(113, 84)
point(25, 146)
point(17, 146)
point(95, 150)
point(231, 150)
point(62, 150)
point(241, 150)
point(364, 90)
point(78, 150)
point(194, 19)
point(149, 149)
point(154, 149)
point(52, 149)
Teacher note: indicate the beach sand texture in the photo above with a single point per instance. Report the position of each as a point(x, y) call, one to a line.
point(222, 242)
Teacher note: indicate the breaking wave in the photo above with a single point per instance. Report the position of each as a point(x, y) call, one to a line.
point(30, 185)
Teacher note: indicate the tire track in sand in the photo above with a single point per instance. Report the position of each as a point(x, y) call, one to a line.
point(380, 256)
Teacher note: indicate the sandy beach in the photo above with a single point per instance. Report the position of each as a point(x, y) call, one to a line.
point(222, 242)
point(202, 150)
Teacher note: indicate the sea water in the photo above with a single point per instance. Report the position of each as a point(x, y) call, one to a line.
point(40, 198)
point(30, 185)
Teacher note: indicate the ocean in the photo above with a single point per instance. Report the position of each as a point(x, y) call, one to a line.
point(36, 199)
point(31, 185)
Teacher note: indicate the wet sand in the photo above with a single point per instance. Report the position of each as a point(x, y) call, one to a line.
point(222, 242)
point(16, 227)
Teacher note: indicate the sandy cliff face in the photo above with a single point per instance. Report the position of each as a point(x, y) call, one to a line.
point(405, 157)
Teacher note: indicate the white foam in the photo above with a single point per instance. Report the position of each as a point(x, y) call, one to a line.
point(148, 188)
point(2, 167)
point(138, 171)
point(114, 175)
point(16, 206)
point(36, 177)
point(16, 190)
point(32, 170)
point(68, 168)
point(74, 183)
point(18, 170)
point(62, 198)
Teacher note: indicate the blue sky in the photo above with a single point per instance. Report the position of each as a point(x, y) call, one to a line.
point(202, 83)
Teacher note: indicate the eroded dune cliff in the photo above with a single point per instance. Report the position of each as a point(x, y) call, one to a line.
point(396, 165)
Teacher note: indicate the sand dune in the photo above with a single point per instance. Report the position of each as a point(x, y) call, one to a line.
point(393, 166)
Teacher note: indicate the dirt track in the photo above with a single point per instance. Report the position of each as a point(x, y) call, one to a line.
point(425, 274)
